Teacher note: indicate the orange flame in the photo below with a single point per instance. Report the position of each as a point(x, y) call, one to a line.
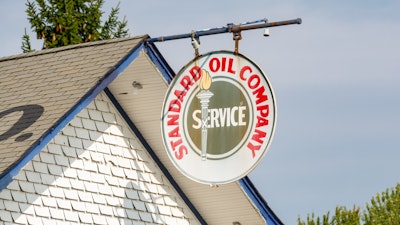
point(205, 81)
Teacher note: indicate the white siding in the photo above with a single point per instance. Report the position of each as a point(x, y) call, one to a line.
point(94, 172)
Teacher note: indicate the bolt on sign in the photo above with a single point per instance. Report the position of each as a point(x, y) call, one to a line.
point(218, 117)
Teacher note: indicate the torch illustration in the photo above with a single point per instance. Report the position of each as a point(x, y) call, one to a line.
point(204, 96)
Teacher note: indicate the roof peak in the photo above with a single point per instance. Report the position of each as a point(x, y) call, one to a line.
point(69, 47)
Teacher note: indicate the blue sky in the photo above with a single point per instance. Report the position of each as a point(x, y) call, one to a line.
point(335, 77)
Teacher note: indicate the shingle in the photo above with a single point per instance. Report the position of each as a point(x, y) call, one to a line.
point(98, 178)
point(77, 184)
point(99, 199)
point(71, 216)
point(139, 205)
point(42, 211)
point(88, 124)
point(113, 201)
point(41, 189)
point(105, 189)
point(78, 206)
point(98, 219)
point(49, 201)
point(106, 210)
point(92, 208)
point(84, 175)
point(91, 187)
point(61, 160)
point(27, 208)
point(63, 204)
point(95, 115)
point(70, 173)
point(11, 206)
point(82, 133)
point(6, 216)
point(85, 217)
point(14, 186)
point(19, 196)
point(54, 169)
point(47, 158)
point(54, 149)
point(118, 192)
point(63, 182)
point(41, 86)
point(75, 142)
point(56, 213)
point(132, 194)
point(34, 199)
point(33, 177)
point(56, 192)
point(131, 214)
point(85, 197)
point(90, 166)
point(145, 216)
point(34, 220)
point(40, 167)
point(47, 178)
point(68, 151)
point(118, 172)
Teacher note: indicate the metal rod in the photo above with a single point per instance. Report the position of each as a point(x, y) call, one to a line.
point(230, 28)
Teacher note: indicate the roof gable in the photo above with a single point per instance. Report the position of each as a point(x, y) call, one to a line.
point(45, 90)
point(39, 89)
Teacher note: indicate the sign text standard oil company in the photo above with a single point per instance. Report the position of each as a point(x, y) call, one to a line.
point(218, 117)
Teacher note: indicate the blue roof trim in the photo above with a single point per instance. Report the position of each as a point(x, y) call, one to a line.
point(159, 61)
point(11, 172)
point(154, 156)
point(259, 201)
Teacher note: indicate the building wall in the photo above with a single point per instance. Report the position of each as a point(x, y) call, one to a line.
point(94, 172)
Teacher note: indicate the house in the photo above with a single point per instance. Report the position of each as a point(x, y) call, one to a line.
point(78, 147)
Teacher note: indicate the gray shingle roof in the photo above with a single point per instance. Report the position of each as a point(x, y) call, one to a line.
point(37, 89)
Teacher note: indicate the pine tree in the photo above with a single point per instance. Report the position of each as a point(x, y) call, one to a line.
point(384, 208)
point(66, 22)
point(342, 216)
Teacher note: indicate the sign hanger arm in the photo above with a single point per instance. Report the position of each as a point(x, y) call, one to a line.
point(230, 28)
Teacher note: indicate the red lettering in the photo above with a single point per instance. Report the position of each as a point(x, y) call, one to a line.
point(175, 144)
point(258, 134)
point(261, 97)
point(182, 151)
point(214, 64)
point(243, 70)
point(230, 69)
point(173, 120)
point(252, 78)
point(195, 72)
point(264, 110)
point(174, 132)
point(253, 149)
point(179, 95)
point(174, 106)
point(223, 63)
point(261, 121)
point(186, 82)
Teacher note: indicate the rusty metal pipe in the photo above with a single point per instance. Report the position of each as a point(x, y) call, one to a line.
point(230, 28)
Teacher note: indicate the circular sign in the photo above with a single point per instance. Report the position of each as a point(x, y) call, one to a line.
point(218, 117)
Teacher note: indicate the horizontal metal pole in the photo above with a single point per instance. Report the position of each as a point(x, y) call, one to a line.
point(230, 28)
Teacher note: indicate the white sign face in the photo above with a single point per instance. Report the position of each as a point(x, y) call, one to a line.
point(218, 118)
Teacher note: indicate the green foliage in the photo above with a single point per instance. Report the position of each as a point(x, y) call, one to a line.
point(383, 209)
point(66, 22)
point(342, 216)
point(26, 43)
